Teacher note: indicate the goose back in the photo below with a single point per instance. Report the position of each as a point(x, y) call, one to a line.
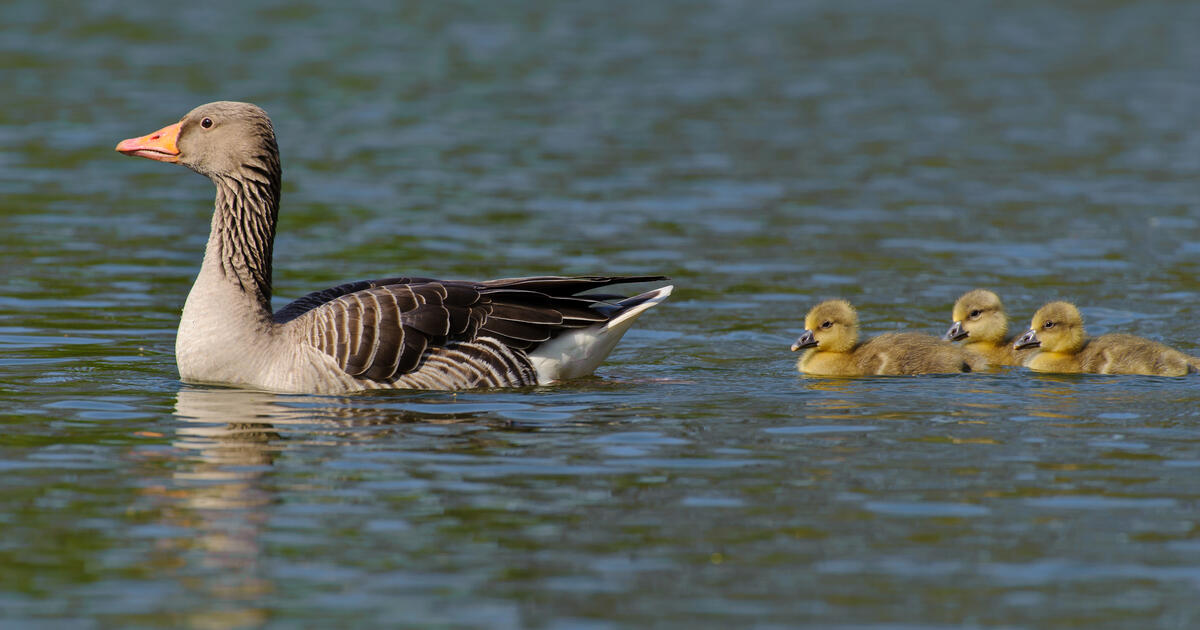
point(431, 334)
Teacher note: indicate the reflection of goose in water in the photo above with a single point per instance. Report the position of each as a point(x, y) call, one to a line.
point(229, 427)
point(238, 426)
point(220, 493)
point(228, 441)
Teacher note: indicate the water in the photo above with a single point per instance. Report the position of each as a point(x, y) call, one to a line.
point(766, 155)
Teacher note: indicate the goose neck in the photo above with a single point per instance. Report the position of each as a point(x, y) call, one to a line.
point(242, 239)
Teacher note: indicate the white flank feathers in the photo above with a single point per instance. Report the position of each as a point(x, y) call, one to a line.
point(578, 352)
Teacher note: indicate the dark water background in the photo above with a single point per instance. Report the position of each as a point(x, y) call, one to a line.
point(766, 155)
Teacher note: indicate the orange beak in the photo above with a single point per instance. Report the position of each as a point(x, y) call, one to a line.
point(159, 145)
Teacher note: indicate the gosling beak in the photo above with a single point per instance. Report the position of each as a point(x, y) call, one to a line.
point(956, 333)
point(806, 340)
point(1028, 340)
point(160, 145)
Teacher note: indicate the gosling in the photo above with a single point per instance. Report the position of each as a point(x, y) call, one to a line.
point(830, 341)
point(1063, 347)
point(981, 323)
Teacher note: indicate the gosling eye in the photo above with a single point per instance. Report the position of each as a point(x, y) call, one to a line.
point(1048, 325)
point(826, 324)
point(975, 313)
point(206, 123)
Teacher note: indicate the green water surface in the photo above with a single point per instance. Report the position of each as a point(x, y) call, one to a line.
point(765, 155)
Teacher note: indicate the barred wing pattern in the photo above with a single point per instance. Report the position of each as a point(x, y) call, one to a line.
point(317, 298)
point(429, 334)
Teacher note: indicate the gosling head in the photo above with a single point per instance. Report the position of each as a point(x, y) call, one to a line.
point(221, 138)
point(831, 326)
point(979, 316)
point(1056, 327)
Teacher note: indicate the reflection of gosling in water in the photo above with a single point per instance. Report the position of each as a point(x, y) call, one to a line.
point(982, 325)
point(1057, 331)
point(831, 348)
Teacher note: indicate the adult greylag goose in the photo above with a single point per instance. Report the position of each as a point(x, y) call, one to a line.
point(414, 333)
point(982, 325)
point(1063, 347)
point(830, 342)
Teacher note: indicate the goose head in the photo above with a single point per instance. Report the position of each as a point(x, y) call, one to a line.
point(1056, 327)
point(224, 138)
point(831, 326)
point(979, 316)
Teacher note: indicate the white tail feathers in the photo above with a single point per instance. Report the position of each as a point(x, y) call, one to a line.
point(576, 353)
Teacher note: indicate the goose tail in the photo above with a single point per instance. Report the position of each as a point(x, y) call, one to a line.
point(577, 352)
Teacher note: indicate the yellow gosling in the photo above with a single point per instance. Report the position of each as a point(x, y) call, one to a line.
point(1063, 347)
point(982, 325)
point(831, 348)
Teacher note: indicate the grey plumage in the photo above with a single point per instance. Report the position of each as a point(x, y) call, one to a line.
point(384, 331)
point(395, 332)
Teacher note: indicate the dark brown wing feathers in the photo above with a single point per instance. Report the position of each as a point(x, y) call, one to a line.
point(381, 329)
point(317, 298)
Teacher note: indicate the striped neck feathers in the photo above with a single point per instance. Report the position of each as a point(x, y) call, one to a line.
point(243, 225)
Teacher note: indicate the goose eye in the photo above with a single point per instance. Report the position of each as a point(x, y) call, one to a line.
point(827, 324)
point(1048, 325)
point(206, 123)
point(976, 313)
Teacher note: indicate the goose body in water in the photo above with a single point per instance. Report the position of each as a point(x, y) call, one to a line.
point(1063, 347)
point(982, 325)
point(832, 348)
point(404, 333)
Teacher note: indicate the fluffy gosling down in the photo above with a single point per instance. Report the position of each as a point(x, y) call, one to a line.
point(831, 348)
point(1063, 347)
point(982, 325)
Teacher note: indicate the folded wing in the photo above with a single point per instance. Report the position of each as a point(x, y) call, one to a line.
point(447, 334)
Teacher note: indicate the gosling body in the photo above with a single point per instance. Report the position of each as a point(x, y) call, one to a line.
point(1062, 346)
point(831, 348)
